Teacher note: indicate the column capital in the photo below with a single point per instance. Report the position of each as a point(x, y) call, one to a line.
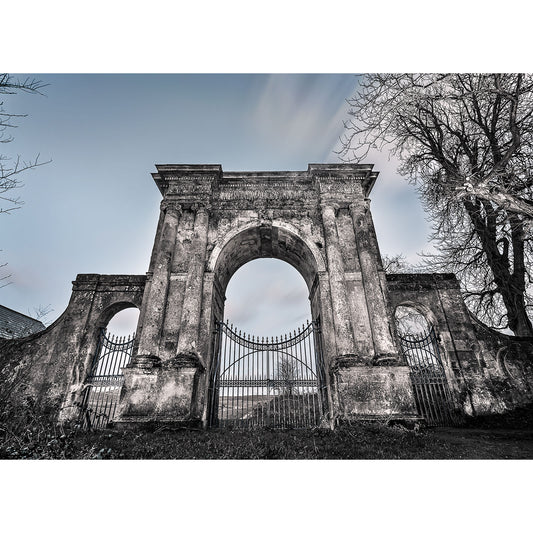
point(355, 206)
point(330, 208)
point(168, 206)
point(201, 208)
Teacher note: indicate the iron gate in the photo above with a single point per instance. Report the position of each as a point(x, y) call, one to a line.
point(432, 395)
point(277, 383)
point(105, 379)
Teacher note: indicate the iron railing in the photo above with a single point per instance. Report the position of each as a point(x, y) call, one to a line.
point(105, 379)
point(277, 382)
point(432, 395)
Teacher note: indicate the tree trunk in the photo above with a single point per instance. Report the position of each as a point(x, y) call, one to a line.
point(511, 286)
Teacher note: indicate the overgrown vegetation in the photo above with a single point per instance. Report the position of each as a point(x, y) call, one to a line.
point(29, 433)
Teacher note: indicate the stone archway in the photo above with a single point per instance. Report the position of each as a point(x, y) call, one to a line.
point(211, 223)
point(256, 388)
point(257, 239)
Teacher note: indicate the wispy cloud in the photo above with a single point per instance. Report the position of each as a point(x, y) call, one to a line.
point(300, 112)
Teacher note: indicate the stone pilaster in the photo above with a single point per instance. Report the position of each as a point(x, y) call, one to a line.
point(154, 304)
point(341, 318)
point(374, 285)
point(192, 302)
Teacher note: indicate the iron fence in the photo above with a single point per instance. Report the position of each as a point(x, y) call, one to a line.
point(277, 382)
point(432, 394)
point(105, 379)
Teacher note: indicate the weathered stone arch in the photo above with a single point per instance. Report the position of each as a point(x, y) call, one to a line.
point(256, 239)
point(213, 222)
point(313, 255)
point(113, 309)
point(423, 309)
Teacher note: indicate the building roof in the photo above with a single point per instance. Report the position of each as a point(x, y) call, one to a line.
point(14, 324)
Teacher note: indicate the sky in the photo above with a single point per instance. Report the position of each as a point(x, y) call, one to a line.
point(94, 207)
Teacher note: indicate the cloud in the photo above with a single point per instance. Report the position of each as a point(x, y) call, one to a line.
point(302, 113)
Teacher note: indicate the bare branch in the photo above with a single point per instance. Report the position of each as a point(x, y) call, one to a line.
point(466, 142)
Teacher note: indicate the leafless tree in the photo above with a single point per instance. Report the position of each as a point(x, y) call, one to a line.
point(466, 142)
point(398, 264)
point(409, 321)
point(287, 374)
point(10, 169)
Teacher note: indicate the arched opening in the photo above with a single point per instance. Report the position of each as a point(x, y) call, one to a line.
point(102, 386)
point(267, 297)
point(124, 323)
point(266, 370)
point(420, 348)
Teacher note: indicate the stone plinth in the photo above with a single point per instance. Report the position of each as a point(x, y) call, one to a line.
point(375, 393)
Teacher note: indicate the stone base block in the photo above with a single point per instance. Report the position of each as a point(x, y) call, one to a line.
point(162, 395)
point(375, 393)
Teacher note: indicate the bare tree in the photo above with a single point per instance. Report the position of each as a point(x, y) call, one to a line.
point(398, 264)
point(287, 374)
point(466, 142)
point(10, 169)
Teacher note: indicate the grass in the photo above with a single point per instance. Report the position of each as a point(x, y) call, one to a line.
point(496, 437)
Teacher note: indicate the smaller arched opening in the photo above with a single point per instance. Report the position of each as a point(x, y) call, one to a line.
point(114, 348)
point(420, 348)
point(124, 323)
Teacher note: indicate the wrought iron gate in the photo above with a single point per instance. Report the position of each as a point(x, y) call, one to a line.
point(432, 395)
point(276, 383)
point(105, 379)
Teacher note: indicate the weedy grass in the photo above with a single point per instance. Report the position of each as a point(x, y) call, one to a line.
point(496, 437)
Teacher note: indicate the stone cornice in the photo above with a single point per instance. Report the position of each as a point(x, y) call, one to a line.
point(345, 172)
point(166, 174)
point(106, 281)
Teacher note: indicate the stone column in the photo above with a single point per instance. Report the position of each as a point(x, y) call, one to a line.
point(192, 302)
point(341, 316)
point(373, 283)
point(155, 300)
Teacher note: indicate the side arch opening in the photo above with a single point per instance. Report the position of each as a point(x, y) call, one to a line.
point(420, 347)
point(104, 380)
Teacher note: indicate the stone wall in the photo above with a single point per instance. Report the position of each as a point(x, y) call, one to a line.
point(487, 371)
point(51, 365)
